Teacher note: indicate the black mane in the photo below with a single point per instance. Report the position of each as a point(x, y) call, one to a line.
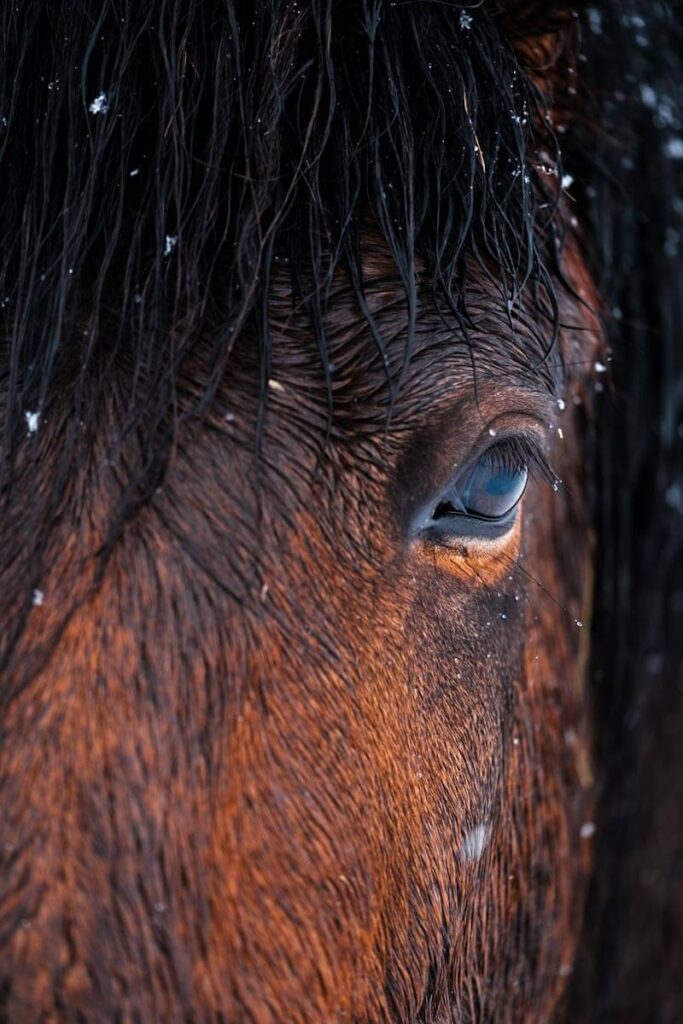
point(627, 152)
point(157, 159)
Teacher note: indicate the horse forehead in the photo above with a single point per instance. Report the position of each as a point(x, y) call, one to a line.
point(361, 355)
point(488, 335)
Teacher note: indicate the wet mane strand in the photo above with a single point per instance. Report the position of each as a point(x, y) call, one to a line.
point(158, 160)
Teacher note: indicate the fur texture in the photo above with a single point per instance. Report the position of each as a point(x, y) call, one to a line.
point(269, 272)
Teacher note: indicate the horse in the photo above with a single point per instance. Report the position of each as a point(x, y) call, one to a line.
point(316, 543)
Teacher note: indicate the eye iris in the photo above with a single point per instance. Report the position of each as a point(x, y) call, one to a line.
point(492, 490)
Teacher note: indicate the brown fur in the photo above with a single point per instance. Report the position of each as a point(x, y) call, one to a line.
point(281, 763)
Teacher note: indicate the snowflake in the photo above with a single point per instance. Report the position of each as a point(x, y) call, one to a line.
point(99, 105)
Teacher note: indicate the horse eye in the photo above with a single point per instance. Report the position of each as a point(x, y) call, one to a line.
point(489, 489)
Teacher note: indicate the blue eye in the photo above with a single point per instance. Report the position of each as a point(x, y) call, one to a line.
point(489, 489)
point(493, 488)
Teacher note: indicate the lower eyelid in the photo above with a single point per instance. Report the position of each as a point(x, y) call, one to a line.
point(477, 559)
point(469, 529)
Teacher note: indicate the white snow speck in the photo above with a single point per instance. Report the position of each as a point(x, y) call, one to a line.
point(567, 181)
point(599, 367)
point(674, 148)
point(671, 242)
point(275, 385)
point(492, 432)
point(587, 830)
point(474, 843)
point(38, 596)
point(561, 404)
point(633, 21)
point(648, 96)
point(134, 172)
point(674, 496)
point(32, 421)
point(170, 244)
point(99, 105)
point(466, 21)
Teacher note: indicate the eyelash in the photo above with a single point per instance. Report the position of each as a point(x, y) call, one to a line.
point(521, 452)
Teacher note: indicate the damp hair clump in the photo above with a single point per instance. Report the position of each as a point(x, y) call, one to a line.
point(158, 160)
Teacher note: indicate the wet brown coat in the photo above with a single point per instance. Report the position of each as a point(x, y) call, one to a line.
point(286, 762)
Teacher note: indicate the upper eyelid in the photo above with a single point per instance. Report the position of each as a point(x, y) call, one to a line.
point(526, 442)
